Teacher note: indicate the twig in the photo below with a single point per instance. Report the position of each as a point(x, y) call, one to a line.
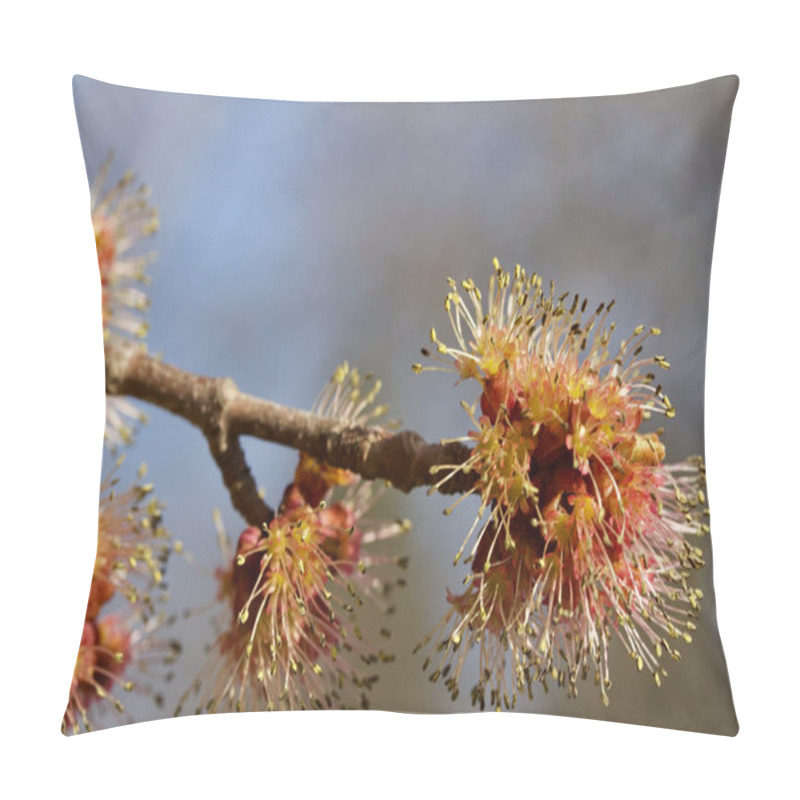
point(223, 414)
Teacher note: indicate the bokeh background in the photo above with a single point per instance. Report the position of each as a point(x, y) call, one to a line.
point(297, 235)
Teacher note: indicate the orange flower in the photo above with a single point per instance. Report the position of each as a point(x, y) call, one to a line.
point(122, 218)
point(103, 655)
point(132, 544)
point(582, 529)
point(132, 551)
point(293, 588)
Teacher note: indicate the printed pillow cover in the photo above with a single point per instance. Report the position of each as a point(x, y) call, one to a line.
point(497, 499)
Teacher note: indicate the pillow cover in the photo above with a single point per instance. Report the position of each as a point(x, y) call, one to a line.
point(553, 256)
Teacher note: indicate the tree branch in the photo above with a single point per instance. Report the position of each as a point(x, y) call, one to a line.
point(223, 414)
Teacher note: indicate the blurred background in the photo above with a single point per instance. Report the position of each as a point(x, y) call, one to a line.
point(296, 235)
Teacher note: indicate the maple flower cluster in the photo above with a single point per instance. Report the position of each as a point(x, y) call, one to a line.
point(582, 530)
point(292, 588)
point(122, 218)
point(132, 549)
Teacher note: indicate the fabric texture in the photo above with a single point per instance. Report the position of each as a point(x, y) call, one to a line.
point(264, 258)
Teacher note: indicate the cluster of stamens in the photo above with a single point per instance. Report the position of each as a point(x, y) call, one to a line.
point(581, 529)
point(293, 587)
point(122, 218)
point(122, 612)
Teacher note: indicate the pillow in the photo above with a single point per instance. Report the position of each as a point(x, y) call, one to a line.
point(534, 536)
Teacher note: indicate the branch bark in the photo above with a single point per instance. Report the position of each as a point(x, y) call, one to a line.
point(223, 414)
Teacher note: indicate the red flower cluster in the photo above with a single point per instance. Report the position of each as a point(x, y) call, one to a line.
point(585, 534)
point(132, 549)
point(122, 218)
point(293, 587)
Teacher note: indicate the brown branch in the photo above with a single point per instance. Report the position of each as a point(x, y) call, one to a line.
point(223, 414)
